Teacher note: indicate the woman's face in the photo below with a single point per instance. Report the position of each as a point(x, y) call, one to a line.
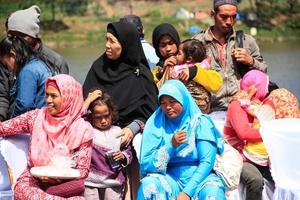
point(113, 48)
point(53, 100)
point(102, 118)
point(9, 61)
point(167, 47)
point(170, 106)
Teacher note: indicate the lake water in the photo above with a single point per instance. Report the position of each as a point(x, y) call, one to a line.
point(283, 60)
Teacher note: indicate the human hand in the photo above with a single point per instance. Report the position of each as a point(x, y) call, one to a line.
point(179, 138)
point(118, 156)
point(184, 75)
point(183, 196)
point(171, 61)
point(91, 97)
point(241, 55)
point(52, 181)
point(127, 136)
point(251, 92)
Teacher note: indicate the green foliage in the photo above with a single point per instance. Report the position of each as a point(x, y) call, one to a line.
point(74, 7)
point(294, 22)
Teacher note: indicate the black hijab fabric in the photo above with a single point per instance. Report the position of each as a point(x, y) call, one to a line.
point(159, 31)
point(128, 80)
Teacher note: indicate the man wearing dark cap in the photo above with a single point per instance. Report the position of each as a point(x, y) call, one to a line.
point(220, 40)
point(226, 58)
point(149, 51)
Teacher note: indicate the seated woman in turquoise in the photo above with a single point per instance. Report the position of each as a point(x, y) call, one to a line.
point(179, 148)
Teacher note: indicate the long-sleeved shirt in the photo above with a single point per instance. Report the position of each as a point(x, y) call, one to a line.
point(238, 129)
point(27, 187)
point(211, 80)
point(30, 87)
point(222, 62)
point(102, 175)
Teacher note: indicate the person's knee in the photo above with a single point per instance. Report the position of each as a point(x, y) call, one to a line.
point(254, 181)
point(251, 176)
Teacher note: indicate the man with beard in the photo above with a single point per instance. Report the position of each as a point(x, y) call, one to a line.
point(226, 56)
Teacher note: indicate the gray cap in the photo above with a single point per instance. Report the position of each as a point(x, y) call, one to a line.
point(25, 21)
point(218, 3)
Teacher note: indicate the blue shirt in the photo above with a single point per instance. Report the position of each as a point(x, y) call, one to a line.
point(30, 86)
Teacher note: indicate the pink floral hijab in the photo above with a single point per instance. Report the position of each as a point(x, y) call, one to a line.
point(66, 129)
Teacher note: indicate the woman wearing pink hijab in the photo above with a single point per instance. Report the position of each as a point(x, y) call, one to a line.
point(56, 130)
point(241, 131)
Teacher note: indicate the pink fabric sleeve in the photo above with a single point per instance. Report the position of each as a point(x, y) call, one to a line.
point(82, 157)
point(19, 125)
point(240, 123)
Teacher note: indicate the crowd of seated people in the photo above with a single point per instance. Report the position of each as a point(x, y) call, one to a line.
point(131, 130)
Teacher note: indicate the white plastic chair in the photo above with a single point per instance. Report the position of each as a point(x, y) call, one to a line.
point(282, 140)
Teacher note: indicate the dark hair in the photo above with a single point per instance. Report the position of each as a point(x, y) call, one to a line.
point(195, 49)
point(105, 99)
point(23, 53)
point(17, 44)
point(136, 21)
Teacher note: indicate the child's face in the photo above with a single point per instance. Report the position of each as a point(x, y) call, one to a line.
point(102, 118)
point(180, 57)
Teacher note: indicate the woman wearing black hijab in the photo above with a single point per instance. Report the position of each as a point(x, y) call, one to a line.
point(124, 73)
point(165, 40)
point(126, 78)
point(199, 81)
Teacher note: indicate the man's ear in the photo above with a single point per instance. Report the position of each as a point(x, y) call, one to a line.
point(212, 13)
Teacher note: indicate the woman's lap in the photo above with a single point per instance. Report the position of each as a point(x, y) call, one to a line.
point(27, 187)
point(156, 186)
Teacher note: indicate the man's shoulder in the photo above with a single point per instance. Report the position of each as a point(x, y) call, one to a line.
point(203, 36)
point(55, 58)
point(50, 52)
point(199, 36)
point(246, 36)
point(33, 66)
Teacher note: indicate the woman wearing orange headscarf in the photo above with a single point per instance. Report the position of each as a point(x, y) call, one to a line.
point(55, 130)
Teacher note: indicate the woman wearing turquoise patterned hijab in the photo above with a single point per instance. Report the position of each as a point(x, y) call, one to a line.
point(178, 151)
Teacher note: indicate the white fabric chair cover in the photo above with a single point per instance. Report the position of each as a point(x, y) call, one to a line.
point(219, 118)
point(5, 186)
point(14, 149)
point(282, 140)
